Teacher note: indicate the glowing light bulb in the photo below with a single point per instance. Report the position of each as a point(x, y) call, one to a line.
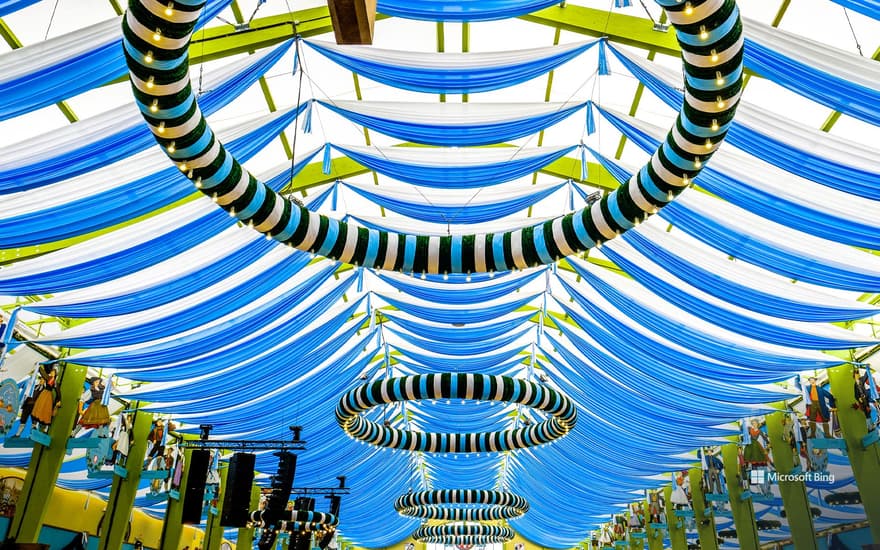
point(685, 180)
point(719, 78)
point(698, 163)
point(151, 82)
point(171, 147)
point(149, 57)
point(720, 102)
point(598, 244)
point(704, 34)
point(199, 182)
point(157, 35)
point(214, 197)
point(714, 127)
point(688, 8)
point(669, 196)
point(169, 10)
point(714, 56)
point(161, 128)
point(154, 106)
point(708, 143)
point(183, 167)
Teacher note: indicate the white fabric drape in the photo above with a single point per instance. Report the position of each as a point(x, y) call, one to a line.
point(34, 57)
point(785, 130)
point(828, 59)
point(776, 181)
point(453, 156)
point(448, 60)
point(74, 136)
point(452, 114)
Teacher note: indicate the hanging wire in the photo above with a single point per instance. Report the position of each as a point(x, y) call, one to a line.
point(51, 19)
point(853, 31)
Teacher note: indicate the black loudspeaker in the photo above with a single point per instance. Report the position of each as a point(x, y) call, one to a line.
point(194, 496)
point(237, 497)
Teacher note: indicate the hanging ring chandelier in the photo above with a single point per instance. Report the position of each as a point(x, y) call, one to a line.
point(561, 412)
point(156, 38)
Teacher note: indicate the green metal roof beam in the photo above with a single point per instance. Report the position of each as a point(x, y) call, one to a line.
point(624, 29)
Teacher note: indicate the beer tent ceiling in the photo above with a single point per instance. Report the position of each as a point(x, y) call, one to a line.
point(663, 337)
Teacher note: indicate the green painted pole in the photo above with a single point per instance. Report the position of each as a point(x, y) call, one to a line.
point(124, 490)
point(172, 528)
point(214, 531)
point(703, 515)
point(742, 509)
point(45, 464)
point(675, 525)
point(246, 534)
point(865, 461)
point(655, 535)
point(793, 491)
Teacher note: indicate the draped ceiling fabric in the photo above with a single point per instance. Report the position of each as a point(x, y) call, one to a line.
point(665, 337)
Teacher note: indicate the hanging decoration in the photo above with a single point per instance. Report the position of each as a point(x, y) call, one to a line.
point(561, 410)
point(461, 505)
point(710, 34)
point(427, 532)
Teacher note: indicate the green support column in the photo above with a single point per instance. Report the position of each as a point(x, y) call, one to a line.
point(794, 492)
point(742, 509)
point(655, 536)
point(246, 534)
point(675, 525)
point(124, 490)
point(214, 531)
point(45, 464)
point(172, 528)
point(865, 461)
point(703, 516)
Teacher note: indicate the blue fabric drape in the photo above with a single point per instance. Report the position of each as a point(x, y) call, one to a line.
point(460, 10)
point(691, 338)
point(836, 93)
point(457, 335)
point(801, 216)
point(731, 319)
point(72, 77)
point(314, 345)
point(9, 6)
point(640, 349)
point(180, 321)
point(449, 315)
point(740, 294)
point(459, 348)
point(470, 363)
point(464, 80)
point(724, 236)
point(129, 139)
point(444, 134)
point(168, 291)
point(238, 387)
point(127, 201)
point(198, 354)
point(871, 8)
point(664, 389)
point(455, 294)
point(455, 177)
point(464, 214)
point(766, 147)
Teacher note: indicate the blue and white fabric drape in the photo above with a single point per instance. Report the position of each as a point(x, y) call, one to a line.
point(460, 10)
point(118, 133)
point(454, 168)
point(454, 124)
point(450, 73)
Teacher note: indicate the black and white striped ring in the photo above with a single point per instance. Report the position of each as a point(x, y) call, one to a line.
point(561, 412)
point(464, 540)
point(156, 40)
point(456, 530)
